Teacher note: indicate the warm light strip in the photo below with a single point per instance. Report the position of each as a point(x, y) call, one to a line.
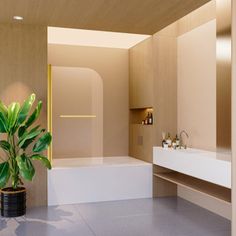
point(78, 116)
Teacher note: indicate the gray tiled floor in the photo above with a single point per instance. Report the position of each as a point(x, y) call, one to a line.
point(143, 217)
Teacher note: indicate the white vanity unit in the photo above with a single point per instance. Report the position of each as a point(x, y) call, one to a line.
point(204, 171)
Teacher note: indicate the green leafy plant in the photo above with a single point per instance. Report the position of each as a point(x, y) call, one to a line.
point(22, 143)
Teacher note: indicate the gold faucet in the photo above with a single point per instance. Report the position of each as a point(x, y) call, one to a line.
point(181, 139)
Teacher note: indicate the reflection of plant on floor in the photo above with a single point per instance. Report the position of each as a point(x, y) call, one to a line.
point(40, 221)
point(23, 144)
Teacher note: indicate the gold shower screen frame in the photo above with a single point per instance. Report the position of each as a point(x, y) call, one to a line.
point(49, 108)
point(49, 111)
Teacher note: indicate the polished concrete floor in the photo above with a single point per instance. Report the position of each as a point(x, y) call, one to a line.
point(143, 217)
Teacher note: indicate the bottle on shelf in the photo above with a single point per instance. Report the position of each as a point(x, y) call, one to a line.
point(169, 140)
point(177, 140)
point(174, 143)
point(150, 119)
point(147, 119)
point(164, 139)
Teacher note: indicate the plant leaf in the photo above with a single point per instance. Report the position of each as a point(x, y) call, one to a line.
point(13, 111)
point(29, 137)
point(26, 167)
point(3, 109)
point(29, 141)
point(34, 115)
point(43, 143)
point(4, 173)
point(3, 123)
point(24, 110)
point(21, 131)
point(43, 159)
point(5, 145)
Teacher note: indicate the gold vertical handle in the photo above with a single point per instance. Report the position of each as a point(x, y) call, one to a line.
point(49, 108)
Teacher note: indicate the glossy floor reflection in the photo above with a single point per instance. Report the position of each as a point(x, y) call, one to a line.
point(143, 217)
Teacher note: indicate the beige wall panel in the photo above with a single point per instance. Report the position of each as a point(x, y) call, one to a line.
point(112, 66)
point(170, 30)
point(141, 75)
point(23, 70)
point(197, 86)
point(141, 142)
point(233, 117)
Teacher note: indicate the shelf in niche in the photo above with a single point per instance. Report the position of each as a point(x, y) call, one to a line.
point(138, 124)
point(140, 108)
point(139, 114)
point(212, 190)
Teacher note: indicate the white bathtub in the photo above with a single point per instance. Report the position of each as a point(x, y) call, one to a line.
point(80, 180)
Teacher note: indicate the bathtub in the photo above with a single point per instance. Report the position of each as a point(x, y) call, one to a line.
point(95, 179)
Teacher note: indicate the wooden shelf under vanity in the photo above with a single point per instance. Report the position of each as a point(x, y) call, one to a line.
point(210, 189)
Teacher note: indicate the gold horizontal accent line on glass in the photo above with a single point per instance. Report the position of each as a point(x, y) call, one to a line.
point(78, 116)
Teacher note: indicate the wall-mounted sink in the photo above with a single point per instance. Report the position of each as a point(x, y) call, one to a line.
point(205, 165)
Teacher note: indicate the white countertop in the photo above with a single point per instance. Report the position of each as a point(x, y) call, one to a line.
point(209, 166)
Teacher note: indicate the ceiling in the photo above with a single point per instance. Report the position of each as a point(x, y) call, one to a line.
point(131, 16)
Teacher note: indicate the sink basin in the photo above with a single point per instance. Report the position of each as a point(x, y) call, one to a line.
point(205, 165)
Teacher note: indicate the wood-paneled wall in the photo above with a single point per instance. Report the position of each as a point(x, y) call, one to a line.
point(165, 83)
point(165, 96)
point(23, 70)
point(233, 140)
point(141, 75)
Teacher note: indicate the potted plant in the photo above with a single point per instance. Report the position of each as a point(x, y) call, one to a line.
point(21, 145)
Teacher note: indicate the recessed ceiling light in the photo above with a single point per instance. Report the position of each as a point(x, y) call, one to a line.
point(18, 18)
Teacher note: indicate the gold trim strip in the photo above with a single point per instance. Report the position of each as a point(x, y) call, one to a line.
point(78, 116)
point(49, 106)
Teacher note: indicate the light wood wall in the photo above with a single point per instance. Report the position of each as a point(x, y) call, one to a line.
point(165, 83)
point(165, 97)
point(23, 70)
point(141, 75)
point(233, 140)
point(153, 83)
